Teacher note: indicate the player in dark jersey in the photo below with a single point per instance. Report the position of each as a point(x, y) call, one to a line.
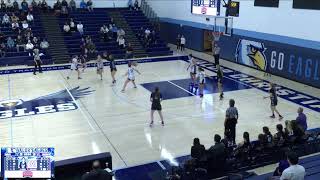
point(113, 68)
point(274, 101)
point(220, 81)
point(83, 62)
point(156, 98)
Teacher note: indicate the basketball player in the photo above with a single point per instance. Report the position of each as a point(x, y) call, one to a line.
point(37, 61)
point(202, 80)
point(156, 98)
point(83, 62)
point(99, 65)
point(74, 66)
point(131, 77)
point(192, 68)
point(113, 68)
point(274, 101)
point(220, 78)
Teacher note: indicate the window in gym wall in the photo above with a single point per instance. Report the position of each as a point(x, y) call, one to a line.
point(306, 4)
point(266, 3)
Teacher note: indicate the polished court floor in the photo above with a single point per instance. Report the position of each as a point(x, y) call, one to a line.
point(99, 118)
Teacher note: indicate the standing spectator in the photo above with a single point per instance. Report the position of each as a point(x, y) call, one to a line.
point(83, 5)
point(136, 5)
point(80, 28)
point(29, 47)
point(72, 5)
point(121, 42)
point(302, 119)
point(10, 43)
point(295, 171)
point(231, 119)
point(178, 41)
point(197, 150)
point(2, 50)
point(24, 6)
point(3, 6)
point(90, 5)
point(44, 6)
point(37, 61)
point(183, 42)
point(20, 43)
point(66, 28)
point(15, 6)
point(64, 7)
point(25, 25)
point(129, 51)
point(5, 20)
point(30, 18)
point(216, 53)
point(97, 173)
point(44, 45)
point(57, 8)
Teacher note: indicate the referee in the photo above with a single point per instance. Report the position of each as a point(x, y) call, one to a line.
point(231, 120)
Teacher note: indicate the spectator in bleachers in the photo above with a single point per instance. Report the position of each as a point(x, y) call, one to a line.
point(114, 31)
point(25, 25)
point(88, 40)
point(57, 8)
point(15, 6)
point(44, 6)
point(231, 119)
point(72, 5)
point(288, 129)
point(121, 42)
point(83, 5)
point(24, 6)
point(90, 5)
point(80, 28)
point(228, 141)
point(183, 42)
point(97, 173)
point(10, 43)
point(14, 18)
point(302, 119)
point(298, 133)
point(283, 164)
point(129, 51)
point(2, 37)
point(30, 18)
point(35, 42)
point(3, 50)
point(243, 151)
point(91, 49)
point(44, 45)
point(28, 34)
point(279, 138)
point(147, 33)
point(104, 33)
point(5, 20)
point(267, 134)
point(66, 28)
point(9, 6)
point(198, 150)
point(72, 25)
point(136, 5)
point(34, 5)
point(261, 144)
point(121, 32)
point(15, 26)
point(216, 155)
point(130, 5)
point(64, 7)
point(3, 6)
point(29, 47)
point(295, 171)
point(20, 43)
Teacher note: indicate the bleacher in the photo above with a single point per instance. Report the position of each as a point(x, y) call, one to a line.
point(13, 57)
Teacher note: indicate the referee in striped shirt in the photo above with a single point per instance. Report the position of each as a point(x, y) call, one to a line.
point(231, 119)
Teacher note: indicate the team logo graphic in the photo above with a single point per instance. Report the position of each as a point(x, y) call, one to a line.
point(251, 53)
point(56, 102)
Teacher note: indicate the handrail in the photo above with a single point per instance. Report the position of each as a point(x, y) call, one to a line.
point(150, 14)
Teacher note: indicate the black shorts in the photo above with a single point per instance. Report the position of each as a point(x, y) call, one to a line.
point(156, 107)
point(113, 69)
point(202, 82)
point(130, 79)
point(274, 103)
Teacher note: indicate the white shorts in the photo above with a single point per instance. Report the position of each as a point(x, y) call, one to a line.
point(74, 67)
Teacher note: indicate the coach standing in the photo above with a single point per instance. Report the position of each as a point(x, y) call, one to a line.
point(231, 119)
point(216, 53)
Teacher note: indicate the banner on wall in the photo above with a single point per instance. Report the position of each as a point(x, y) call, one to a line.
point(295, 63)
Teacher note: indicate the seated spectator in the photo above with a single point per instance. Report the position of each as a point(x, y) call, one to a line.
point(267, 134)
point(90, 5)
point(35, 42)
point(298, 133)
point(3, 50)
point(57, 8)
point(15, 6)
point(72, 5)
point(44, 6)
point(24, 6)
point(261, 145)
point(3, 6)
point(25, 25)
point(66, 28)
point(243, 151)
point(295, 171)
point(14, 18)
point(83, 5)
point(136, 5)
point(30, 18)
point(104, 33)
point(80, 28)
point(97, 173)
point(283, 164)
point(288, 129)
point(121, 32)
point(10, 43)
point(91, 49)
point(279, 138)
point(34, 5)
point(72, 25)
point(228, 142)
point(28, 34)
point(197, 150)
point(2, 37)
point(9, 6)
point(29, 47)
point(20, 43)
point(129, 51)
point(64, 7)
point(114, 31)
point(147, 33)
point(88, 40)
point(44, 45)
point(15, 26)
point(121, 42)
point(5, 20)
point(302, 119)
point(216, 157)
point(130, 5)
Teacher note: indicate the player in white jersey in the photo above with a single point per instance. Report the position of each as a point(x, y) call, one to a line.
point(192, 68)
point(99, 65)
point(74, 66)
point(202, 80)
point(131, 76)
